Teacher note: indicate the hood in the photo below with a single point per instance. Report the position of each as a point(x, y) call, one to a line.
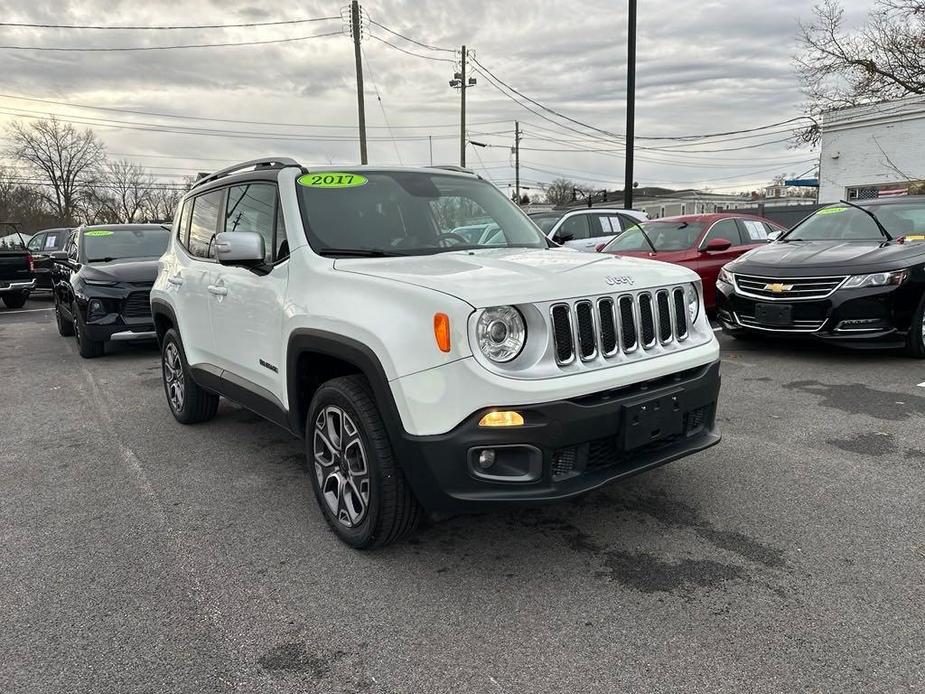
point(516, 275)
point(830, 257)
point(133, 270)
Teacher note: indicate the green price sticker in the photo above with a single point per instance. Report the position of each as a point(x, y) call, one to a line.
point(332, 179)
point(98, 232)
point(831, 210)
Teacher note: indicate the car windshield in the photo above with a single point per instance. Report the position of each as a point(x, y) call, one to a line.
point(105, 244)
point(845, 223)
point(665, 236)
point(545, 221)
point(11, 241)
point(409, 213)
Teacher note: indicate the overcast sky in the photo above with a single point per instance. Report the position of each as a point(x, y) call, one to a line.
point(703, 67)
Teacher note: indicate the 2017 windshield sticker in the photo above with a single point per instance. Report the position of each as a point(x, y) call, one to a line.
point(98, 232)
point(332, 179)
point(831, 210)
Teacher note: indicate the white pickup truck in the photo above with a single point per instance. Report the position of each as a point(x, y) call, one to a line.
point(427, 370)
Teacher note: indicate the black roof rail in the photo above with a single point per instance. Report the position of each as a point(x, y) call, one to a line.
point(266, 162)
point(451, 167)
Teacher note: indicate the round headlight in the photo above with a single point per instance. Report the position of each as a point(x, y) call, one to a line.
point(501, 333)
point(693, 302)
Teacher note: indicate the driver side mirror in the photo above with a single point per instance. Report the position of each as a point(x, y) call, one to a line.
point(716, 245)
point(239, 248)
point(563, 237)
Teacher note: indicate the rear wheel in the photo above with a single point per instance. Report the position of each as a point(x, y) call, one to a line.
point(89, 349)
point(17, 300)
point(65, 327)
point(189, 403)
point(915, 340)
point(358, 485)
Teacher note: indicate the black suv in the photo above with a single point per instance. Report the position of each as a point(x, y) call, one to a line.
point(102, 288)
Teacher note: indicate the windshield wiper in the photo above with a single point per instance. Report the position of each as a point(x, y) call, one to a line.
point(646, 236)
point(359, 252)
point(872, 216)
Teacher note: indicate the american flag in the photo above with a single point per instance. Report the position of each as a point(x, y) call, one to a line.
point(892, 192)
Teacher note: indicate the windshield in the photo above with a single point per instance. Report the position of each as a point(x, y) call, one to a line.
point(103, 245)
point(409, 213)
point(844, 223)
point(665, 236)
point(545, 221)
point(11, 241)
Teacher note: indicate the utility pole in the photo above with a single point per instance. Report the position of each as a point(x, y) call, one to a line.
point(361, 105)
point(430, 142)
point(461, 82)
point(630, 104)
point(517, 160)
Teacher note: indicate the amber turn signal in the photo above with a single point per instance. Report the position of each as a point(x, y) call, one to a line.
point(502, 419)
point(442, 331)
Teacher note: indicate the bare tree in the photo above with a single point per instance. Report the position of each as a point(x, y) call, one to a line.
point(881, 61)
point(128, 188)
point(164, 199)
point(65, 157)
point(23, 204)
point(560, 192)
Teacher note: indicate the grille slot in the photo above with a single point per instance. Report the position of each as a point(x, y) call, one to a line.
point(664, 316)
point(680, 313)
point(562, 333)
point(608, 324)
point(137, 305)
point(628, 324)
point(789, 288)
point(587, 346)
point(647, 321)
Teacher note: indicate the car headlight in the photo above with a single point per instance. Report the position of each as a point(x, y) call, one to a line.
point(877, 279)
point(501, 333)
point(725, 276)
point(693, 302)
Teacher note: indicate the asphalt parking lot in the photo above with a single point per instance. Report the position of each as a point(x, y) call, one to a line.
point(138, 555)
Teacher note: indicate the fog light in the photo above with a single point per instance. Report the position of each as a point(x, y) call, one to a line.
point(486, 458)
point(95, 309)
point(502, 419)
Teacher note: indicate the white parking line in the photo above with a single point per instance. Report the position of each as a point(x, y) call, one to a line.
point(922, 384)
point(25, 310)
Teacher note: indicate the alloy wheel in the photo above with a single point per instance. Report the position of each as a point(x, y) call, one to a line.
point(173, 376)
point(341, 466)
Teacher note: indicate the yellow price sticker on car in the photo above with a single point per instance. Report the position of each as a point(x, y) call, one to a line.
point(332, 179)
point(831, 210)
point(98, 232)
point(915, 237)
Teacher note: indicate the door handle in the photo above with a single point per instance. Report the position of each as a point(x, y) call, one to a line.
point(218, 291)
point(175, 280)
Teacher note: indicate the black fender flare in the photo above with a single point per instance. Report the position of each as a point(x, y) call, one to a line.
point(159, 307)
point(353, 352)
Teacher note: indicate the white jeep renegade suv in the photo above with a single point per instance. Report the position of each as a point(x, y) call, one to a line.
point(427, 342)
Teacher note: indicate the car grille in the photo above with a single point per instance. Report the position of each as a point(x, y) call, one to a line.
point(788, 288)
point(137, 305)
point(587, 329)
point(809, 326)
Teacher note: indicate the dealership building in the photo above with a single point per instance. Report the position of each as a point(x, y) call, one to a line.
point(872, 151)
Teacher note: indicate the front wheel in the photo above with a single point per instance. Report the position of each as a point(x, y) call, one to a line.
point(15, 300)
point(358, 485)
point(189, 403)
point(89, 349)
point(65, 327)
point(915, 340)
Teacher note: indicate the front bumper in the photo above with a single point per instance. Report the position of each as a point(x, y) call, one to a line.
point(566, 447)
point(121, 314)
point(873, 317)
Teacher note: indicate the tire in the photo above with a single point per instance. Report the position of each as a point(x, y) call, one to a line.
point(188, 401)
point(17, 300)
point(734, 333)
point(389, 512)
point(89, 349)
point(65, 327)
point(915, 340)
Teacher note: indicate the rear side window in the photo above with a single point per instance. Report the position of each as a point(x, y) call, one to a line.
point(252, 207)
point(204, 224)
point(753, 231)
point(606, 225)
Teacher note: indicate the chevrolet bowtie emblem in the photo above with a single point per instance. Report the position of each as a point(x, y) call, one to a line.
point(778, 288)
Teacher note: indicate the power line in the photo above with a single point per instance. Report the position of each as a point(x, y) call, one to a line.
point(168, 48)
point(231, 120)
point(409, 39)
point(164, 27)
point(411, 53)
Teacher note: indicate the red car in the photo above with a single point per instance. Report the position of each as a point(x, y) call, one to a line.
point(702, 242)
